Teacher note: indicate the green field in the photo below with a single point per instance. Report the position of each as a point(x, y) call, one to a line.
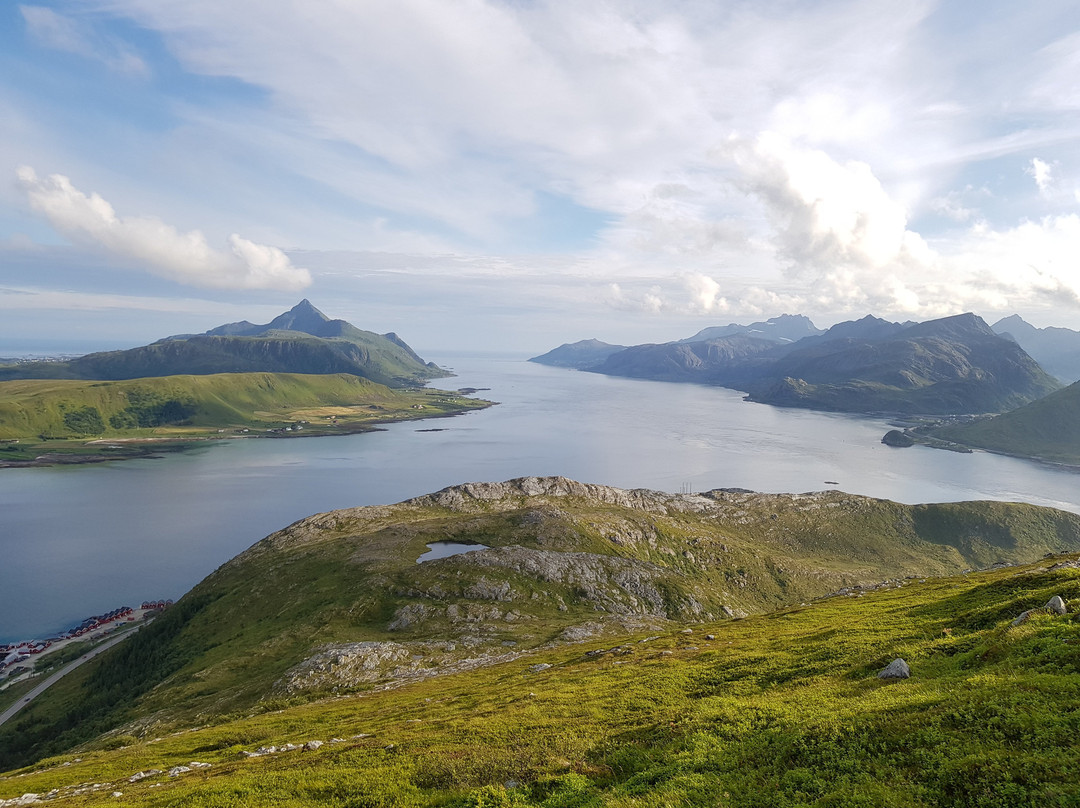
point(92, 418)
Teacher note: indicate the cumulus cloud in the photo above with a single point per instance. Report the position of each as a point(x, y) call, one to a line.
point(705, 293)
point(827, 213)
point(161, 248)
point(54, 30)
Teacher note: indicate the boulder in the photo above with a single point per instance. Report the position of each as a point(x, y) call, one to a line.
point(1056, 605)
point(1022, 618)
point(897, 669)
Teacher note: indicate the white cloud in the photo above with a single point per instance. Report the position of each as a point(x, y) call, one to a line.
point(827, 214)
point(705, 293)
point(1034, 263)
point(1041, 172)
point(182, 257)
point(745, 158)
point(54, 30)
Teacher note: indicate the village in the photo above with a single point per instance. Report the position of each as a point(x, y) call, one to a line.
point(18, 660)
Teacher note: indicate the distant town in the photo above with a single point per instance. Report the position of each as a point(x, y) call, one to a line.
point(12, 656)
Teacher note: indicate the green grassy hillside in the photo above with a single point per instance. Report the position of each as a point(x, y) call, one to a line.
point(775, 711)
point(33, 411)
point(337, 603)
point(1048, 429)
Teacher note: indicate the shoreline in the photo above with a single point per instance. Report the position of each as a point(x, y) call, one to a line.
point(140, 448)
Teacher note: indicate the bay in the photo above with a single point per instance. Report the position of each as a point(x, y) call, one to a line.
point(76, 541)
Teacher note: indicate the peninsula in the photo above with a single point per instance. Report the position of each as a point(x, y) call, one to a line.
point(300, 375)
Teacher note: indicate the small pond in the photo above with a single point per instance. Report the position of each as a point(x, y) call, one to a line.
point(445, 549)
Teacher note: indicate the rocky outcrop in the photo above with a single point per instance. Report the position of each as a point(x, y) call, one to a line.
point(898, 439)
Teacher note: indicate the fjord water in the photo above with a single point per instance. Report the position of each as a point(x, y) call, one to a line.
point(81, 540)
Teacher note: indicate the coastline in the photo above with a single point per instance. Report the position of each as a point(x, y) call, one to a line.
point(144, 447)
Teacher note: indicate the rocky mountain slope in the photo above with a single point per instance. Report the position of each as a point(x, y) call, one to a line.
point(302, 340)
point(338, 602)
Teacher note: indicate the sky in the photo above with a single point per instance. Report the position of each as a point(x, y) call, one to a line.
point(514, 174)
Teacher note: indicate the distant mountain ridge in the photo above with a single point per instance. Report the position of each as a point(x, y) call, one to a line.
point(301, 340)
point(951, 365)
point(1056, 349)
point(581, 354)
point(785, 328)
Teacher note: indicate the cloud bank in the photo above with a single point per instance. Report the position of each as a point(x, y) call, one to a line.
point(160, 248)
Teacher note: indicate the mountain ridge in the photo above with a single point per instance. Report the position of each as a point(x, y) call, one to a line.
point(951, 365)
point(301, 340)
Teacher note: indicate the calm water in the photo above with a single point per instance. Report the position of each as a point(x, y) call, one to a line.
point(80, 540)
point(445, 549)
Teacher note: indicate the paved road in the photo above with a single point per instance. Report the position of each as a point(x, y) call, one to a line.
point(60, 674)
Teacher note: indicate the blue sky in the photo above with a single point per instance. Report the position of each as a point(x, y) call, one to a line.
point(471, 173)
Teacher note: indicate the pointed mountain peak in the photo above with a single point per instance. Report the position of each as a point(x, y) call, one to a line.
point(301, 317)
point(304, 307)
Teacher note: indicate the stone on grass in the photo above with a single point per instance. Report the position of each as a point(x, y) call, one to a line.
point(1022, 618)
point(897, 669)
point(1056, 605)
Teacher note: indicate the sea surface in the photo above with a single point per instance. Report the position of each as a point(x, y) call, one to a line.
point(80, 540)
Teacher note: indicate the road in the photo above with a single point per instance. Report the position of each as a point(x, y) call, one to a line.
point(60, 674)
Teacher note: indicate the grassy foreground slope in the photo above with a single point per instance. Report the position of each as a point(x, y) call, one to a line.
point(337, 603)
point(33, 411)
point(775, 711)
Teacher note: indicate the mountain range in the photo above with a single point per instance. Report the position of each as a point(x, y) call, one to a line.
point(301, 340)
point(951, 365)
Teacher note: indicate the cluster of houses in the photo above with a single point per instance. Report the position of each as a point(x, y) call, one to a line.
point(297, 427)
point(20, 652)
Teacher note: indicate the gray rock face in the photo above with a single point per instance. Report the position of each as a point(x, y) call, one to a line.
point(897, 669)
point(357, 662)
point(616, 585)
